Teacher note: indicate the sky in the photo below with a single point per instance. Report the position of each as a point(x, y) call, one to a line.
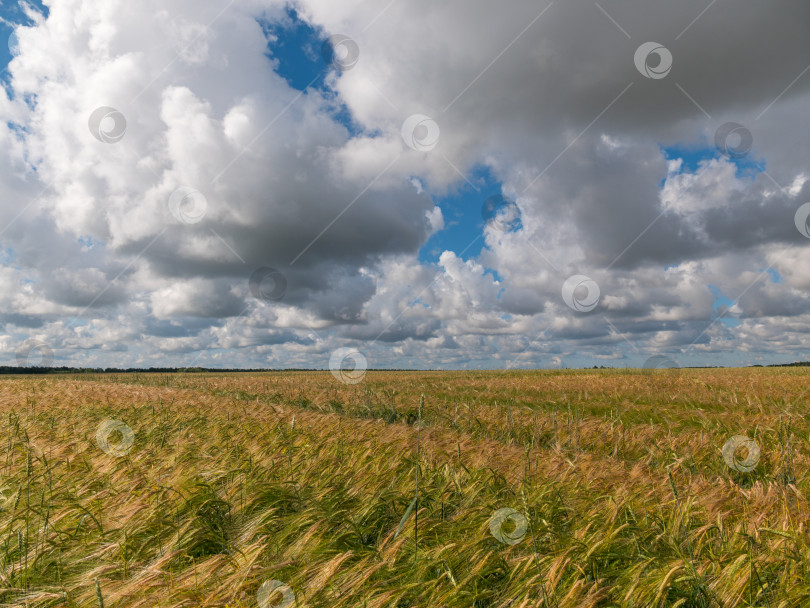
point(387, 184)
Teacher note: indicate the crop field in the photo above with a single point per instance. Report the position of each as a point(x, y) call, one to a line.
point(578, 488)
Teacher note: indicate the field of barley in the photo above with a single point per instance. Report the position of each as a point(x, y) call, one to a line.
point(580, 488)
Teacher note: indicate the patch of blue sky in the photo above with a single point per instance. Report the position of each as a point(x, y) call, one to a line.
point(720, 304)
point(297, 51)
point(11, 16)
point(89, 242)
point(693, 157)
point(775, 276)
point(463, 211)
point(7, 256)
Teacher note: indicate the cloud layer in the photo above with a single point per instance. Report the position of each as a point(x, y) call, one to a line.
point(130, 234)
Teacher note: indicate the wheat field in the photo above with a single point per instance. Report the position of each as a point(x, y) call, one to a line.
point(408, 489)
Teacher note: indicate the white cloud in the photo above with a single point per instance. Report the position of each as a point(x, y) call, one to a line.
point(541, 101)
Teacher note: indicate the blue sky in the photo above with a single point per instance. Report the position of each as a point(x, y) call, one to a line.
point(12, 15)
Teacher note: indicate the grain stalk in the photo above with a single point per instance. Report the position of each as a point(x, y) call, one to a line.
point(536, 552)
point(416, 496)
point(99, 597)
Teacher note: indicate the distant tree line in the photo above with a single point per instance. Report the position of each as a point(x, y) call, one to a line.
point(9, 369)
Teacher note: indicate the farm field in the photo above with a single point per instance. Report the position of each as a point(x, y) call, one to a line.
point(573, 488)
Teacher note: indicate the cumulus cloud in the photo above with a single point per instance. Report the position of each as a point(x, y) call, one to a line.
point(129, 235)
